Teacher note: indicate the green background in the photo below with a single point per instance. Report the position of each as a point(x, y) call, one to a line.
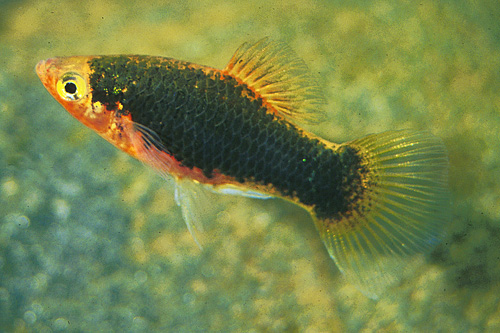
point(92, 240)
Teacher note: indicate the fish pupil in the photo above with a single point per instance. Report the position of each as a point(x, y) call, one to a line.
point(70, 88)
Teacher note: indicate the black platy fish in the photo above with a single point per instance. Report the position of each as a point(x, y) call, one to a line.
point(374, 201)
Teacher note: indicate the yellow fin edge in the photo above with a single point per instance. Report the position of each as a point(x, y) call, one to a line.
point(277, 75)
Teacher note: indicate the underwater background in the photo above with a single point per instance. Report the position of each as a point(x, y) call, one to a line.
point(91, 240)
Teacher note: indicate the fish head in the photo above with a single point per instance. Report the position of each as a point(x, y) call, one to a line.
point(67, 80)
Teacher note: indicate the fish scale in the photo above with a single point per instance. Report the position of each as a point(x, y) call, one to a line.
point(187, 135)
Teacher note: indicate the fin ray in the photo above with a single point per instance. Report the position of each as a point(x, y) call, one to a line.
point(192, 198)
point(151, 151)
point(400, 214)
point(275, 73)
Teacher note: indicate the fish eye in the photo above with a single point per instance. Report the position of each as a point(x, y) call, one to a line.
point(71, 86)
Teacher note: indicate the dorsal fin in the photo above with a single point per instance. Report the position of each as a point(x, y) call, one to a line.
point(277, 75)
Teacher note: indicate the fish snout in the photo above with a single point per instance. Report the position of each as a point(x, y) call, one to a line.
point(47, 73)
point(41, 69)
point(46, 68)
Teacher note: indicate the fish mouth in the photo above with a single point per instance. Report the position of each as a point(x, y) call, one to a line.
point(45, 71)
point(41, 69)
point(45, 68)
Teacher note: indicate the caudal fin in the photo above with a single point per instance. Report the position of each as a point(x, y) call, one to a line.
point(401, 212)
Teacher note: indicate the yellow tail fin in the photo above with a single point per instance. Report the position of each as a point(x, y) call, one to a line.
point(404, 205)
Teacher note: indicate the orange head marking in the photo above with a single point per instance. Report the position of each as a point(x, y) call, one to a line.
point(67, 80)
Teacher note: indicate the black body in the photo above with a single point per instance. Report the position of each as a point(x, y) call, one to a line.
point(221, 125)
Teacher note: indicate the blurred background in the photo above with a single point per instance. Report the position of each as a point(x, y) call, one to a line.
point(92, 240)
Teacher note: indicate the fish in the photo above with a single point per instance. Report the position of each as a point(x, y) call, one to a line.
point(375, 201)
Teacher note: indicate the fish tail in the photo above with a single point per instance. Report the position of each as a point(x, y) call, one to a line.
point(399, 209)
